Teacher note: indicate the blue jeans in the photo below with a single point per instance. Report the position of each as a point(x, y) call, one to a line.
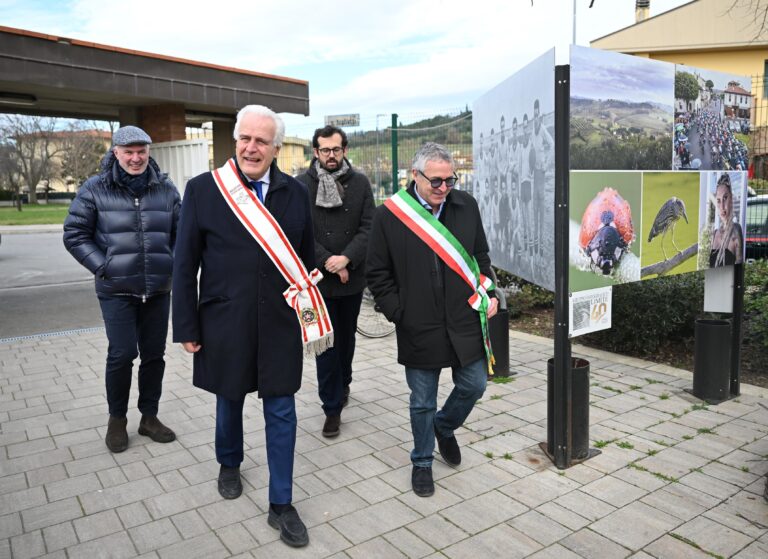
point(135, 329)
point(280, 431)
point(469, 386)
point(334, 365)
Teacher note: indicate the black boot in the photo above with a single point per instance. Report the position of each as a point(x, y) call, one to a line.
point(117, 436)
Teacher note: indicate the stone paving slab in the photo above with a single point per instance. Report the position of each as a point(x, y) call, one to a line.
point(675, 477)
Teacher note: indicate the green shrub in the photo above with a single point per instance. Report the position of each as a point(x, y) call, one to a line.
point(523, 295)
point(755, 326)
point(646, 313)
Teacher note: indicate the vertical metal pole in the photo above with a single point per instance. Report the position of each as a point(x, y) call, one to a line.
point(574, 22)
point(395, 184)
point(563, 383)
point(738, 313)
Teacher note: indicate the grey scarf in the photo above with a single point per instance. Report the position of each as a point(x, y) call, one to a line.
point(329, 191)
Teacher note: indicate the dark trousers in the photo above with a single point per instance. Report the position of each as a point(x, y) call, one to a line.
point(334, 366)
point(135, 329)
point(280, 430)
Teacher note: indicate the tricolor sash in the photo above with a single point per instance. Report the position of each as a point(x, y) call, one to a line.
point(450, 250)
point(302, 294)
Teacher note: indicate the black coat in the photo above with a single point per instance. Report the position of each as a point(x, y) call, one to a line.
point(125, 240)
point(250, 337)
point(427, 301)
point(343, 230)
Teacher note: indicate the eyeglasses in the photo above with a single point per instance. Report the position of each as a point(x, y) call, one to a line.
point(327, 151)
point(438, 182)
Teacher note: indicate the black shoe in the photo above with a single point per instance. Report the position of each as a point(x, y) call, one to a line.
point(421, 481)
point(230, 485)
point(117, 436)
point(292, 529)
point(449, 449)
point(345, 399)
point(331, 426)
point(150, 426)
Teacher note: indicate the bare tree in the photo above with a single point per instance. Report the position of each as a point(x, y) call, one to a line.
point(757, 10)
point(83, 146)
point(34, 148)
point(10, 178)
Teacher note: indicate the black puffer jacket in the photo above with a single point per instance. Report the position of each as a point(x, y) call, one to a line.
point(126, 241)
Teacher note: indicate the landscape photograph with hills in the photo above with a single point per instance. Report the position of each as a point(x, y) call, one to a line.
point(621, 111)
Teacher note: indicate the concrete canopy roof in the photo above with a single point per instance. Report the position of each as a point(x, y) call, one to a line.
point(56, 76)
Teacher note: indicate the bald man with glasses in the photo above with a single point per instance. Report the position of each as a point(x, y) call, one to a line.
point(428, 270)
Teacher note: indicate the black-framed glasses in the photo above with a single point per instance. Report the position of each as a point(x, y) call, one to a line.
point(327, 151)
point(438, 182)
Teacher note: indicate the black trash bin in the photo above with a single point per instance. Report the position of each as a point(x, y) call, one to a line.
point(579, 409)
point(498, 330)
point(712, 360)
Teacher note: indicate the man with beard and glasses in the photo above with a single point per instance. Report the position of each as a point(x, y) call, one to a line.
point(342, 211)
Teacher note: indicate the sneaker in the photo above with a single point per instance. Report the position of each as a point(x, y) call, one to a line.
point(292, 529)
point(331, 426)
point(230, 484)
point(117, 436)
point(449, 449)
point(150, 426)
point(421, 481)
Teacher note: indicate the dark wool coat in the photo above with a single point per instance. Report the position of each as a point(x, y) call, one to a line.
point(250, 337)
point(427, 301)
point(343, 230)
point(125, 240)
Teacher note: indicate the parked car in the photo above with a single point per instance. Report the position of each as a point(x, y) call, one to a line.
point(757, 227)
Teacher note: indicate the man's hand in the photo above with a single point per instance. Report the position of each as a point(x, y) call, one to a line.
point(336, 263)
point(343, 275)
point(191, 347)
point(493, 307)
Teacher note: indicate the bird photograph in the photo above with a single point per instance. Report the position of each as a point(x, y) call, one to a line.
point(670, 239)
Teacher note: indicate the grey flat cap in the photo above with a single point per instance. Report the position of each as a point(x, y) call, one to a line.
point(129, 135)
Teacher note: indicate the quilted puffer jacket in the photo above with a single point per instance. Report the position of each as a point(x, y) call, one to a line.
point(125, 240)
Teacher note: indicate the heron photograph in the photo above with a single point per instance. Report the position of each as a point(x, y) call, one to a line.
point(670, 223)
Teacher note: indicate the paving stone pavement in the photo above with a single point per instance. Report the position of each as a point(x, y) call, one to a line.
point(675, 478)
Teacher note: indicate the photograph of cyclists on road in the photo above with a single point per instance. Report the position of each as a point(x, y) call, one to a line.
point(712, 112)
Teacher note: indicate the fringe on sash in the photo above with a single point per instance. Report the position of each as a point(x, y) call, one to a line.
point(316, 347)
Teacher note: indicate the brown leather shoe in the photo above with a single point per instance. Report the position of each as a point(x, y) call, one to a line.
point(331, 426)
point(117, 436)
point(151, 427)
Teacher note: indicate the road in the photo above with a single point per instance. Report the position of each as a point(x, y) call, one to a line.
point(42, 288)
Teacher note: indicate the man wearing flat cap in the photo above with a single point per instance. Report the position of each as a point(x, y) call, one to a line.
point(122, 227)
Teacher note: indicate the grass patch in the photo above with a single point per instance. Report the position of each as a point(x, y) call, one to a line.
point(661, 443)
point(612, 389)
point(625, 444)
point(502, 380)
point(637, 467)
point(507, 456)
point(697, 407)
point(496, 397)
point(687, 437)
point(663, 396)
point(694, 545)
point(661, 476)
point(745, 469)
point(489, 454)
point(705, 431)
point(602, 444)
point(635, 387)
point(652, 452)
point(652, 381)
point(34, 215)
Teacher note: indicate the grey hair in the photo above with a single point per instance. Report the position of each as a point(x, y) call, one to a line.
point(261, 110)
point(431, 152)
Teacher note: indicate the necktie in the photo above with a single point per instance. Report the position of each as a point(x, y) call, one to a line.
point(257, 186)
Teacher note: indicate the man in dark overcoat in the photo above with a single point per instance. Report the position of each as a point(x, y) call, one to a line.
point(342, 212)
point(427, 301)
point(243, 335)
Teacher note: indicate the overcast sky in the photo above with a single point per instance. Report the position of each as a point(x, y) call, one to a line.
point(413, 57)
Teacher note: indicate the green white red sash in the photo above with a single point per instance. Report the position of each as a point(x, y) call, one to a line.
point(302, 294)
point(450, 250)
